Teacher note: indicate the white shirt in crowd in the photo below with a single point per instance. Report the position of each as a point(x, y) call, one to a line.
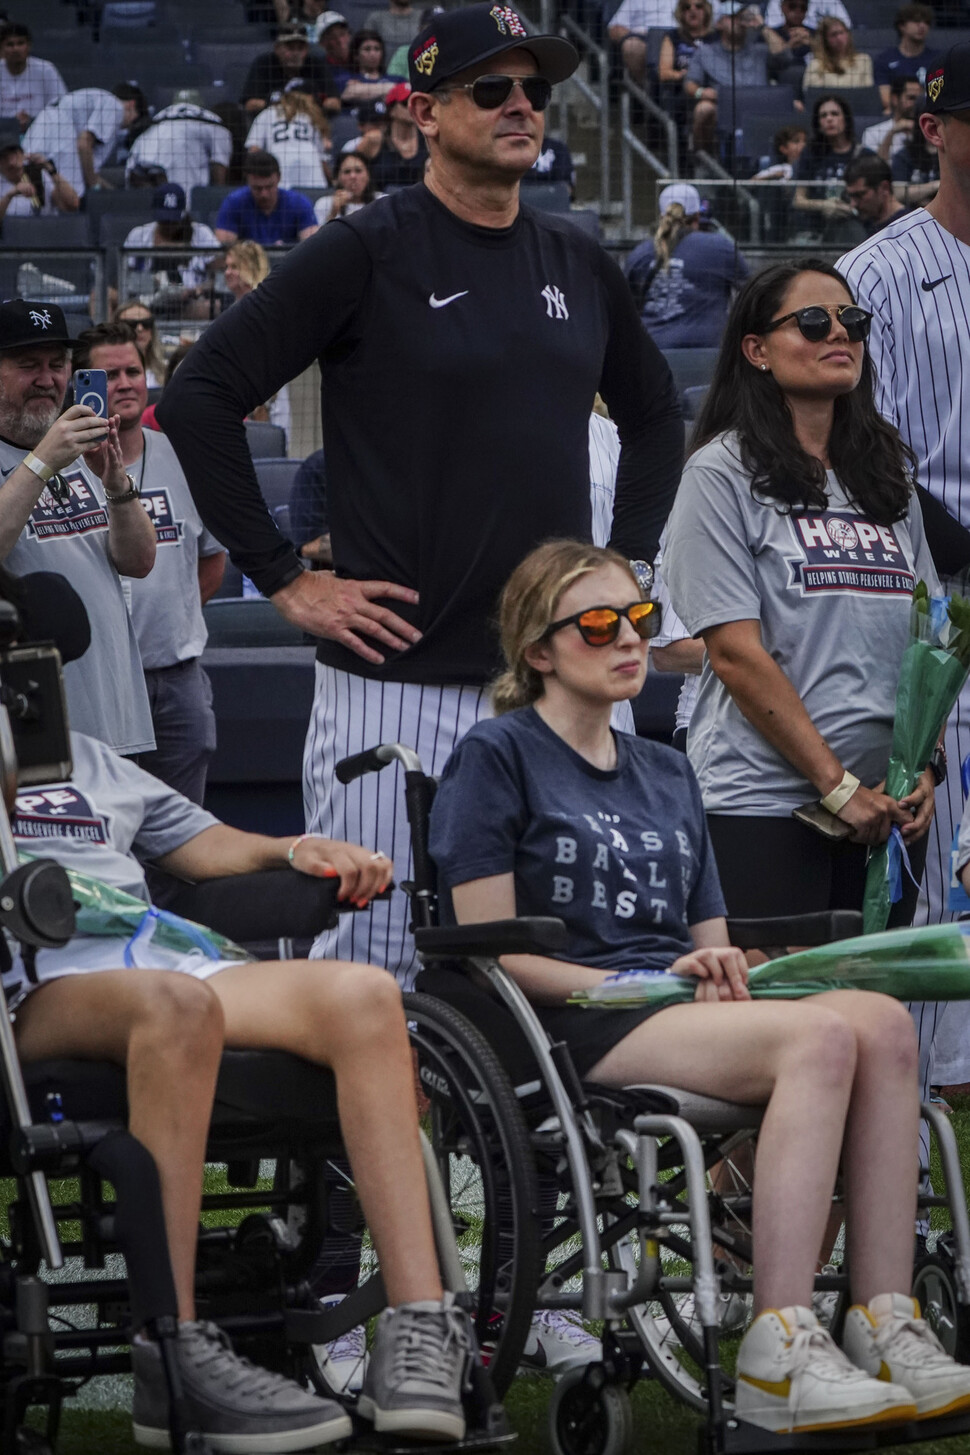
point(39, 83)
point(643, 15)
point(185, 140)
point(817, 10)
point(297, 146)
point(191, 269)
point(23, 206)
point(54, 133)
point(874, 136)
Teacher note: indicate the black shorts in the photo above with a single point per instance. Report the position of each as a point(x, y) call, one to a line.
point(589, 1034)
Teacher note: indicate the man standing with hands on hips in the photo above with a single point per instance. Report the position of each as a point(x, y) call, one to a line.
point(461, 338)
point(914, 276)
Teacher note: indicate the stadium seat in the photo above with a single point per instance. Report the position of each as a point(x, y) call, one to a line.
point(265, 440)
point(238, 52)
point(692, 400)
point(768, 100)
point(127, 15)
point(276, 478)
point(691, 367)
point(206, 201)
point(547, 196)
point(70, 230)
point(862, 100)
point(587, 219)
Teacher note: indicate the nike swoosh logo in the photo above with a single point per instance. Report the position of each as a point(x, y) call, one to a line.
point(536, 1360)
point(928, 287)
point(443, 302)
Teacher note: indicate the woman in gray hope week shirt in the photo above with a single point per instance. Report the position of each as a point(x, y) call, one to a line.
point(793, 548)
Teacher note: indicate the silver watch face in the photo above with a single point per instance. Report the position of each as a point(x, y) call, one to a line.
point(643, 571)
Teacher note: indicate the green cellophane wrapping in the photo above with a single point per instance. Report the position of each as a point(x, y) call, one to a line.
point(929, 963)
point(930, 680)
point(105, 911)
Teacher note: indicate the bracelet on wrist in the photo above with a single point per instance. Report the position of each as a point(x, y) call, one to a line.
point(295, 845)
point(841, 793)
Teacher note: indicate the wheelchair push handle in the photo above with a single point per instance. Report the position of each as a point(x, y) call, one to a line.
point(372, 760)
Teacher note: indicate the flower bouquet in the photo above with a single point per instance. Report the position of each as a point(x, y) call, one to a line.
point(934, 668)
point(930, 963)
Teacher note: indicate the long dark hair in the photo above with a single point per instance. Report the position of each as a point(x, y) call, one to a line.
point(872, 463)
point(819, 145)
point(368, 193)
point(355, 45)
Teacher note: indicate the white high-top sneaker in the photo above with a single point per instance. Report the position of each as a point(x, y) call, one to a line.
point(791, 1376)
point(890, 1340)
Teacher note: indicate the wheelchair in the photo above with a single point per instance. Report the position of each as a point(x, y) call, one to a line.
point(652, 1232)
point(67, 1119)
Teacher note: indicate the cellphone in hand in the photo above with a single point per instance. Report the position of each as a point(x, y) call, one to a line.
point(91, 388)
point(814, 816)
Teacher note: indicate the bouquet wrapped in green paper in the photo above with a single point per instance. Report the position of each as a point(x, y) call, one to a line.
point(930, 963)
point(934, 668)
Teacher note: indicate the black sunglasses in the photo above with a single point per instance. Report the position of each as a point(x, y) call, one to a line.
point(491, 92)
point(815, 322)
point(600, 625)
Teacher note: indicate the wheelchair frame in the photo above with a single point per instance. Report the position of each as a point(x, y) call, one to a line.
point(662, 1118)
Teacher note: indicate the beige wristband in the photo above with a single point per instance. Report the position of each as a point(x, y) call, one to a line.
point(42, 471)
point(841, 794)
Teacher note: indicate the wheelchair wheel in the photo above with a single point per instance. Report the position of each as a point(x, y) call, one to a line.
point(486, 1162)
point(935, 1287)
point(588, 1416)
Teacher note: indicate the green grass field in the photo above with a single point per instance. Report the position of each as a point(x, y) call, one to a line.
point(661, 1425)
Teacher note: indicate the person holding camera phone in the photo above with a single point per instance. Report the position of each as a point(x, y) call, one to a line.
point(793, 548)
point(68, 505)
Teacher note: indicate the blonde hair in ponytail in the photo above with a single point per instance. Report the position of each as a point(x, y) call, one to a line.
point(528, 604)
point(670, 229)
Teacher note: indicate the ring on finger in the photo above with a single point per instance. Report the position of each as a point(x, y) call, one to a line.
point(378, 855)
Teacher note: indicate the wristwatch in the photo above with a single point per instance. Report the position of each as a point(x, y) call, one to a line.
point(643, 574)
point(132, 493)
point(937, 764)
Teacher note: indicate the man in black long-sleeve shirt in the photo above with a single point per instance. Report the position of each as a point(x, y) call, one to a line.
point(461, 340)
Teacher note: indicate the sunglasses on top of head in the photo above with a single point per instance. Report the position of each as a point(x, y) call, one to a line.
point(815, 322)
point(600, 625)
point(491, 92)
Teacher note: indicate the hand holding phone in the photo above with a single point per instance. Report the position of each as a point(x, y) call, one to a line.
point(814, 816)
point(91, 389)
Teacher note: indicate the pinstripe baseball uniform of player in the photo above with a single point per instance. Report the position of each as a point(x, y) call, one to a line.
point(915, 278)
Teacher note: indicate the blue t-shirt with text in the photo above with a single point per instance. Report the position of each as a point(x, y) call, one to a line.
point(622, 856)
point(292, 214)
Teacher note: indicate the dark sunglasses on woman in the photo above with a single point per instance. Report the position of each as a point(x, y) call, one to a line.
point(491, 92)
point(600, 625)
point(815, 322)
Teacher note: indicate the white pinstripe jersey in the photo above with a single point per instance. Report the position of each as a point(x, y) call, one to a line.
point(915, 277)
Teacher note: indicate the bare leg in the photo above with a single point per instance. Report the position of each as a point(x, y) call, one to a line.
point(633, 49)
point(705, 126)
point(349, 1017)
point(880, 1162)
point(800, 1059)
point(166, 1028)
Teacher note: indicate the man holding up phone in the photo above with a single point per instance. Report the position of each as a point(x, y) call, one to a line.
point(67, 505)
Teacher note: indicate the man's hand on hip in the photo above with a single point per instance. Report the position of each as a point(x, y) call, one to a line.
point(347, 611)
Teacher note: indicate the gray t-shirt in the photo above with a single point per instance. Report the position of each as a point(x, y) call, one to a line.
point(165, 606)
point(832, 591)
point(106, 693)
point(711, 65)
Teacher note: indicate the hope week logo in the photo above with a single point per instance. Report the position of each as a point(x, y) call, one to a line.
point(841, 552)
point(58, 813)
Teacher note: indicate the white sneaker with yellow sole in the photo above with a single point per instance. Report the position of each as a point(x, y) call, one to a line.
point(890, 1340)
point(791, 1376)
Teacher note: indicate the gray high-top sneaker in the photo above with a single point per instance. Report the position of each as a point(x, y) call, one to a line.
point(242, 1409)
point(414, 1379)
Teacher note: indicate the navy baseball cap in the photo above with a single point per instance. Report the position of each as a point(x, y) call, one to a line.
point(168, 202)
point(948, 82)
point(24, 322)
point(461, 38)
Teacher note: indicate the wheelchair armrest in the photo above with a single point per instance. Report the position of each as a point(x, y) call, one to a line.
point(821, 928)
point(535, 936)
point(261, 906)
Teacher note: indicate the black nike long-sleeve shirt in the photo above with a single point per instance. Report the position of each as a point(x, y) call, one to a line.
point(459, 366)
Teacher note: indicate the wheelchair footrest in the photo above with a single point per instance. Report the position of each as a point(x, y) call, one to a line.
point(365, 1439)
point(737, 1437)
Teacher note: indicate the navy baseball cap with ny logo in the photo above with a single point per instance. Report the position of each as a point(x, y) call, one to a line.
point(457, 39)
point(24, 322)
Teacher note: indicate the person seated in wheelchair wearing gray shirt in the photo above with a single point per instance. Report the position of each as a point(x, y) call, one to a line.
point(544, 810)
point(167, 1015)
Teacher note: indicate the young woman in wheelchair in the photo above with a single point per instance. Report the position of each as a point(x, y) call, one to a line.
point(545, 810)
point(166, 1016)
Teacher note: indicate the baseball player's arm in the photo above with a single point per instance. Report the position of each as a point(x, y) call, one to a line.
point(686, 655)
point(639, 391)
point(243, 358)
point(86, 143)
point(76, 430)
